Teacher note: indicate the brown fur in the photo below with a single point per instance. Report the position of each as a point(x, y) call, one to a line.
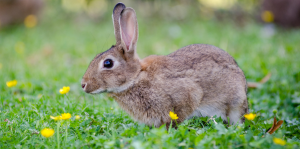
point(196, 80)
point(146, 62)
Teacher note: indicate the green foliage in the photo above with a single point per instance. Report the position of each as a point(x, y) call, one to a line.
point(56, 54)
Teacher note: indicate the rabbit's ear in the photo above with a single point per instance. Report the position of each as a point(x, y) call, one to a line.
point(116, 19)
point(129, 30)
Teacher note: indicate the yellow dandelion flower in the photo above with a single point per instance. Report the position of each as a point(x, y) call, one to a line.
point(64, 90)
point(250, 116)
point(30, 21)
point(65, 116)
point(56, 117)
point(267, 16)
point(77, 117)
point(279, 141)
point(11, 83)
point(173, 115)
point(47, 132)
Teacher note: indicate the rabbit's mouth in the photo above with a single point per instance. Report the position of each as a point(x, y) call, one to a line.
point(89, 89)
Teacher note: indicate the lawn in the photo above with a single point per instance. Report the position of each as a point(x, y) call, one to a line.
point(57, 52)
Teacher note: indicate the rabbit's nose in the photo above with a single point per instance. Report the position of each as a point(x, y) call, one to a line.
point(83, 85)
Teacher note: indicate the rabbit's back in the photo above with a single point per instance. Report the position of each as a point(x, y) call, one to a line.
point(207, 65)
point(200, 55)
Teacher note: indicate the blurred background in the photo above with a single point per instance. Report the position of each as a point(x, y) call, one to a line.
point(46, 44)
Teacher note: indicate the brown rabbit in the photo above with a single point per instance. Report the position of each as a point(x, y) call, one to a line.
point(196, 80)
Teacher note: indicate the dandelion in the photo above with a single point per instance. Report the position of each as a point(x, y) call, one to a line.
point(64, 90)
point(173, 115)
point(279, 141)
point(47, 132)
point(267, 16)
point(11, 83)
point(250, 116)
point(65, 116)
point(77, 117)
point(30, 21)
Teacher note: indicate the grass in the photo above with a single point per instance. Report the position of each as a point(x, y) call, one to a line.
point(56, 53)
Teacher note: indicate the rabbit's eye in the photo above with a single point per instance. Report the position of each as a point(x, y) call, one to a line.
point(108, 63)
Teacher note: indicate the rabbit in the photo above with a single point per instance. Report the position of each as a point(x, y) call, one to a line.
point(194, 81)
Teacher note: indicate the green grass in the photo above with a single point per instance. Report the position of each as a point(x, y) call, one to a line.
point(57, 52)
